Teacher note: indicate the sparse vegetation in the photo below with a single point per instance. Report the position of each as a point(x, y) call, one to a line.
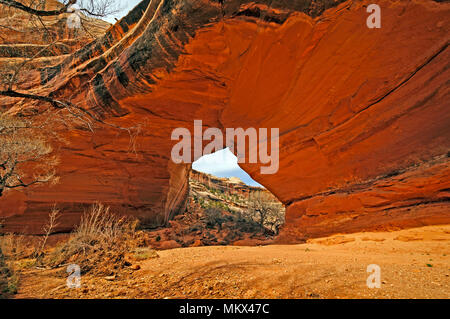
point(25, 156)
point(267, 212)
point(12, 248)
point(103, 244)
point(143, 253)
point(237, 213)
point(99, 244)
point(8, 278)
point(246, 223)
point(48, 229)
point(214, 217)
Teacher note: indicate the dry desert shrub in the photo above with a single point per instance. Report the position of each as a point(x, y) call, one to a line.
point(11, 249)
point(269, 213)
point(16, 253)
point(48, 229)
point(26, 157)
point(8, 278)
point(14, 246)
point(99, 244)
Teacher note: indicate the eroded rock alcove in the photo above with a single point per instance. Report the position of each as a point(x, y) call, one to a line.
point(363, 113)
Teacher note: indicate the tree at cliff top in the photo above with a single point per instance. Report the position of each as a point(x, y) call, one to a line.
point(25, 156)
point(31, 18)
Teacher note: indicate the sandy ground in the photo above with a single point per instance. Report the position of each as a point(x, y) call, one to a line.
point(414, 263)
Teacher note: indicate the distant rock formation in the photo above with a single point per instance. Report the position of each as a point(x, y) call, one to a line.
point(363, 113)
point(231, 192)
point(232, 185)
point(217, 213)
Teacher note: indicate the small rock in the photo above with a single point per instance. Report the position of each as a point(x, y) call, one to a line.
point(110, 278)
point(135, 267)
point(197, 243)
point(169, 244)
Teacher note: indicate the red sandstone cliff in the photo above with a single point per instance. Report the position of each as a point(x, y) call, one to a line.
point(363, 113)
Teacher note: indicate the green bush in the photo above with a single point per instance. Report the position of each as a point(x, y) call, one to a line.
point(214, 217)
point(8, 279)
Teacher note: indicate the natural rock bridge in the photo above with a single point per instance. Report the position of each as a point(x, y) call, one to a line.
point(363, 113)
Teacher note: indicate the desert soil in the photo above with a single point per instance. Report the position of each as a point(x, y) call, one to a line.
point(414, 263)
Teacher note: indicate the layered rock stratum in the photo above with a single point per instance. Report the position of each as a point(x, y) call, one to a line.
point(363, 113)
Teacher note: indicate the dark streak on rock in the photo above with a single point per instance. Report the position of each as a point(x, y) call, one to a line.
point(104, 98)
point(47, 74)
point(121, 76)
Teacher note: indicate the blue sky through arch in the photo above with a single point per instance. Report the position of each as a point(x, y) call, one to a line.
point(223, 163)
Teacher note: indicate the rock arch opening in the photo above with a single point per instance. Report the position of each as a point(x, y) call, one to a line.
point(363, 113)
point(223, 164)
point(229, 200)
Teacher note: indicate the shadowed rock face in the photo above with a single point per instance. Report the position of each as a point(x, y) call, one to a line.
point(363, 113)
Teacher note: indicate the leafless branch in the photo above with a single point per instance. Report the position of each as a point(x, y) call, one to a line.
point(41, 13)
